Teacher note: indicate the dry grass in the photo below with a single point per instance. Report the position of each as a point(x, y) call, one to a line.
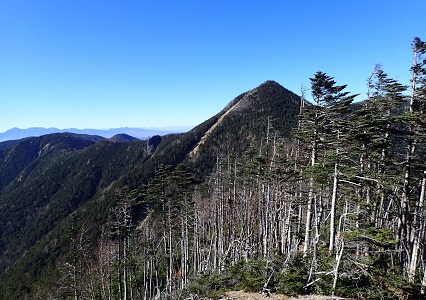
point(208, 132)
point(239, 295)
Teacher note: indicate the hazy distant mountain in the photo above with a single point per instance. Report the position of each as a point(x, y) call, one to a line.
point(139, 133)
point(122, 137)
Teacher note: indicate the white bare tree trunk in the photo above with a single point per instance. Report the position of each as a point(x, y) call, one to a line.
point(417, 233)
point(308, 224)
point(333, 210)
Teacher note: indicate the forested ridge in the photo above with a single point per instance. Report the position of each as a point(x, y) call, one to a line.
point(283, 196)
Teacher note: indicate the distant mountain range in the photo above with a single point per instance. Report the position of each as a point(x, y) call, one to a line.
point(139, 133)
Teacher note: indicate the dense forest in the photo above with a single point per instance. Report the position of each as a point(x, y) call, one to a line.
point(330, 202)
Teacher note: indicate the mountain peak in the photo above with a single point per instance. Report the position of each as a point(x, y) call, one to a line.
point(122, 137)
point(270, 86)
point(269, 83)
point(265, 96)
point(245, 118)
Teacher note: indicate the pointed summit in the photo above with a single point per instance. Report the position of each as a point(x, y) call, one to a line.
point(270, 84)
point(269, 96)
point(245, 120)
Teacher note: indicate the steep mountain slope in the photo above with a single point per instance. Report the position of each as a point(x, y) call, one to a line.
point(241, 124)
point(45, 181)
point(25, 155)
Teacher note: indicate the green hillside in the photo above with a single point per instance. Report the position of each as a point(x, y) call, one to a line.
point(273, 194)
point(50, 178)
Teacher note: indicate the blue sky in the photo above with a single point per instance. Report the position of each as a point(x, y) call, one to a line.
point(157, 63)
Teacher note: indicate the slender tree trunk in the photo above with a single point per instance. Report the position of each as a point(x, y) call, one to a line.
point(418, 232)
point(423, 284)
point(170, 240)
point(333, 209)
point(339, 254)
point(308, 224)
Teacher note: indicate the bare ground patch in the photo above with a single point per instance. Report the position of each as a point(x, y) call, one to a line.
point(239, 295)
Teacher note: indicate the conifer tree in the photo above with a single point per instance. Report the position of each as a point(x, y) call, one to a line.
point(333, 128)
point(412, 227)
point(377, 127)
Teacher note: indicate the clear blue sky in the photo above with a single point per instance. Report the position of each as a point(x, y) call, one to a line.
point(156, 63)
